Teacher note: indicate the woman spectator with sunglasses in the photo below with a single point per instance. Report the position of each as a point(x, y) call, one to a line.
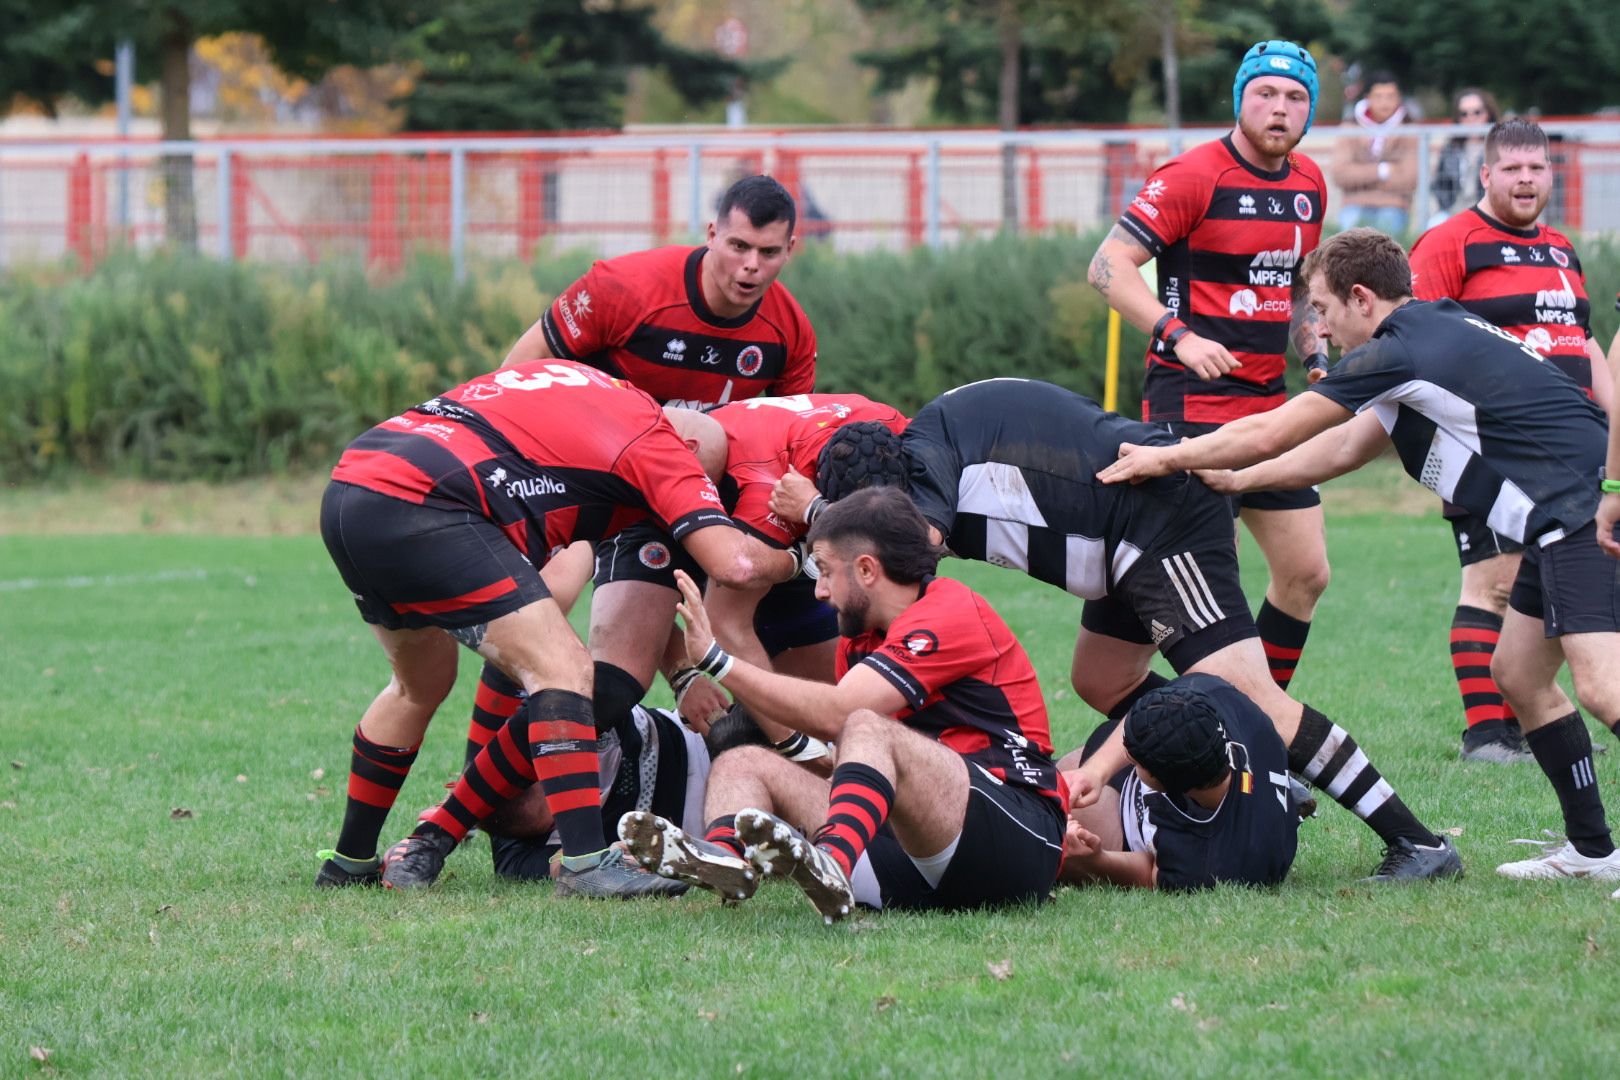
point(1456, 177)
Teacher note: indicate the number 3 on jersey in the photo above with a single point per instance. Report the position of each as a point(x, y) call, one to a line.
point(547, 377)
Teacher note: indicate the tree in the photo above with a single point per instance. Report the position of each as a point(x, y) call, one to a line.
point(49, 52)
point(491, 65)
point(1562, 56)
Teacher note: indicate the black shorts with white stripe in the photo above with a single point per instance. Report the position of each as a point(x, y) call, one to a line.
point(1570, 585)
point(1183, 595)
point(1009, 852)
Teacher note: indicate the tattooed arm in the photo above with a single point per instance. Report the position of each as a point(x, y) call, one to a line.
point(1305, 331)
point(1116, 273)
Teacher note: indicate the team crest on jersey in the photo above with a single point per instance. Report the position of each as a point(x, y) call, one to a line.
point(921, 642)
point(653, 555)
point(750, 360)
point(1302, 207)
point(1559, 257)
point(481, 391)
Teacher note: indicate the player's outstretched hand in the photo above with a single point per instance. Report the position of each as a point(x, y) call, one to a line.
point(1136, 464)
point(1608, 515)
point(1083, 790)
point(1080, 842)
point(1224, 481)
point(1205, 358)
point(696, 617)
point(792, 495)
point(701, 704)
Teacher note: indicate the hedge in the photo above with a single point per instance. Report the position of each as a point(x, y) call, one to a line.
point(183, 367)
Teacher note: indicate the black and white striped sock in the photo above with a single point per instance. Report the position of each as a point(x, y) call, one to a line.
point(1325, 754)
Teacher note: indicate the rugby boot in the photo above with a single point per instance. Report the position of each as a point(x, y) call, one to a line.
point(339, 872)
point(415, 862)
point(1494, 741)
point(665, 848)
point(1559, 859)
point(610, 874)
point(777, 849)
point(1406, 861)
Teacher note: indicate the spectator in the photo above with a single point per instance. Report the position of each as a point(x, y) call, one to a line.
point(1457, 175)
point(1376, 169)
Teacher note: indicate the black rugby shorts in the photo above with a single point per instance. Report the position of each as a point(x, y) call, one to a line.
point(1476, 541)
point(1009, 853)
point(1292, 499)
point(410, 566)
point(1570, 585)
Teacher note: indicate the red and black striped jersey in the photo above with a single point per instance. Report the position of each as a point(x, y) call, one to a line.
point(550, 451)
point(1527, 281)
point(967, 683)
point(1227, 237)
point(643, 318)
point(767, 435)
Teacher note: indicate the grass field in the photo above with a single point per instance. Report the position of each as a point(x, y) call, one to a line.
point(175, 717)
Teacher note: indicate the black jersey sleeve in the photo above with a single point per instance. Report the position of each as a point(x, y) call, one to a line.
point(934, 469)
point(1367, 373)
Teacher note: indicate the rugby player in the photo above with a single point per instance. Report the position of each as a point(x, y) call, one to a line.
point(1005, 471)
point(1207, 800)
point(438, 520)
point(694, 326)
point(748, 446)
point(945, 795)
point(1519, 444)
point(1227, 223)
point(1499, 261)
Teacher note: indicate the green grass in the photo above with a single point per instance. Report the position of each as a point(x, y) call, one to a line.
point(144, 674)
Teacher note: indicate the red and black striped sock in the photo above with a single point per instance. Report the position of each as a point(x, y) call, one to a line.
point(723, 831)
point(562, 744)
point(1474, 634)
point(861, 798)
point(496, 773)
point(498, 697)
point(376, 773)
point(1283, 638)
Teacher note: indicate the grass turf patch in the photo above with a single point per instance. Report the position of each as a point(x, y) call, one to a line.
point(221, 676)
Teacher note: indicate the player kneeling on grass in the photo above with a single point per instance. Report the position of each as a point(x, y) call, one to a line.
point(1207, 802)
point(1519, 445)
point(945, 795)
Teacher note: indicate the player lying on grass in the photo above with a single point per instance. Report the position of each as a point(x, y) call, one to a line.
point(1520, 445)
point(1005, 471)
point(945, 795)
point(438, 520)
point(1206, 799)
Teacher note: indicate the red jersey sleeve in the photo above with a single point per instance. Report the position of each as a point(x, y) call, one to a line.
point(596, 312)
point(753, 512)
point(677, 491)
point(1172, 202)
point(1438, 264)
point(937, 641)
point(799, 375)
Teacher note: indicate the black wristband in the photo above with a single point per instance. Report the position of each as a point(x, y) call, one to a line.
point(1317, 361)
point(716, 663)
point(813, 511)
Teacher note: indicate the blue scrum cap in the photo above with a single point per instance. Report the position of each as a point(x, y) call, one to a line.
point(1281, 58)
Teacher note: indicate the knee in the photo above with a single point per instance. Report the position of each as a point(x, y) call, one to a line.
point(1307, 580)
point(1102, 690)
point(749, 760)
point(863, 725)
point(426, 684)
point(1510, 680)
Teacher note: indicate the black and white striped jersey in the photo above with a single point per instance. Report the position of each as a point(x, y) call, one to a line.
point(1007, 470)
point(1517, 444)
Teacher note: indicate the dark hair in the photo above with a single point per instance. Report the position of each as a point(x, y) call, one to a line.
point(1382, 75)
point(1514, 135)
point(762, 199)
point(1175, 733)
point(886, 522)
point(1492, 111)
point(860, 455)
point(1363, 257)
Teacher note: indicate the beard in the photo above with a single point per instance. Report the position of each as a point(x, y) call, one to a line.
point(1268, 142)
point(1505, 210)
point(852, 616)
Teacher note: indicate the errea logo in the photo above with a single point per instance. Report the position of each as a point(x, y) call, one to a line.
point(1153, 190)
point(675, 350)
point(1246, 204)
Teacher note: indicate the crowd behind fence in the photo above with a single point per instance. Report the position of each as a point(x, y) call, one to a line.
point(379, 201)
